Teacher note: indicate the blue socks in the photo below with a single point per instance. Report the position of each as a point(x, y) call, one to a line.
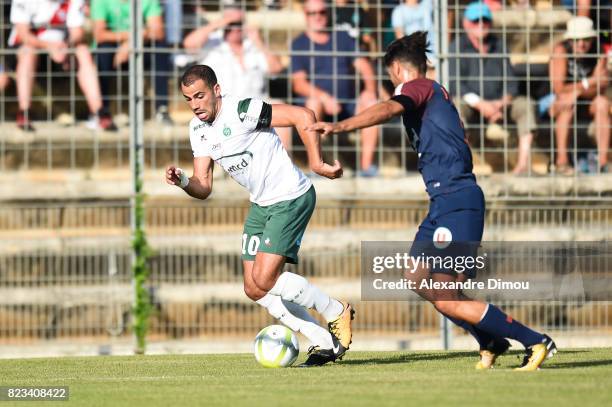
point(495, 322)
point(483, 338)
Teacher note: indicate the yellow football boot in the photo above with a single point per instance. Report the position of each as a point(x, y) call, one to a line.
point(536, 355)
point(488, 356)
point(341, 331)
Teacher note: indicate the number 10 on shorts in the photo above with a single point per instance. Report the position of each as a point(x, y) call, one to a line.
point(251, 246)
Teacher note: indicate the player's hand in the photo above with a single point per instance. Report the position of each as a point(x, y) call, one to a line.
point(172, 177)
point(328, 171)
point(323, 128)
point(176, 176)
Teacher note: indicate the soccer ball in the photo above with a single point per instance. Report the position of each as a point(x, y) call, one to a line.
point(276, 346)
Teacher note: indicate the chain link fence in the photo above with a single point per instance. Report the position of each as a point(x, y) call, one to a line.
point(71, 277)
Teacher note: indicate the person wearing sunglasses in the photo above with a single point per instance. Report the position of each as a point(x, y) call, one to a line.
point(486, 86)
point(323, 68)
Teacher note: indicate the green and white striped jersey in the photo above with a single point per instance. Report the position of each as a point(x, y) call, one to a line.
point(241, 141)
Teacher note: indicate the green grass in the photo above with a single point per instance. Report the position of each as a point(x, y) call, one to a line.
point(578, 377)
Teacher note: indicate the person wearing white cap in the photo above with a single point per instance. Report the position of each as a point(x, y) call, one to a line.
point(579, 79)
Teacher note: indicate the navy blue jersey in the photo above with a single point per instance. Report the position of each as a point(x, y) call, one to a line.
point(437, 135)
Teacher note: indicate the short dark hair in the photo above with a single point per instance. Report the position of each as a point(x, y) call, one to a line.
point(411, 48)
point(199, 72)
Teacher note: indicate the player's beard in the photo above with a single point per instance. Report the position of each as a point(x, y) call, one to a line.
point(214, 109)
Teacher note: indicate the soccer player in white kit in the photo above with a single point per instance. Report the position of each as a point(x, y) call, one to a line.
point(238, 135)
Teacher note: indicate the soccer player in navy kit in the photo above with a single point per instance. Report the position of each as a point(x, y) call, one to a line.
point(457, 206)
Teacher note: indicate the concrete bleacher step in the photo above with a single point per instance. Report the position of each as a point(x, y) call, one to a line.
point(215, 241)
point(57, 133)
point(109, 184)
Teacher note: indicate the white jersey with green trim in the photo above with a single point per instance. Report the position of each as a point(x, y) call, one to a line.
point(241, 141)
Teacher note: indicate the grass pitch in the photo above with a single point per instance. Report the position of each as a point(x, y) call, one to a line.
point(578, 377)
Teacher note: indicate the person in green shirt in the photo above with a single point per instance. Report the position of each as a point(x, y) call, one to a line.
point(111, 30)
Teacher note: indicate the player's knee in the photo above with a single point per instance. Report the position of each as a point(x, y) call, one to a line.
point(263, 281)
point(251, 291)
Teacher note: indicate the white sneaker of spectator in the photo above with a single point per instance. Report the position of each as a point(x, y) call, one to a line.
point(97, 122)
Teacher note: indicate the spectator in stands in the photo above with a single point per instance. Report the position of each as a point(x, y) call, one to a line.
point(496, 5)
point(326, 81)
point(55, 26)
point(597, 10)
point(415, 15)
point(351, 17)
point(579, 80)
point(239, 57)
point(486, 85)
point(111, 29)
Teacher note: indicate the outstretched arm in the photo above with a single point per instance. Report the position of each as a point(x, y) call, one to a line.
point(377, 114)
point(302, 118)
point(200, 184)
point(196, 39)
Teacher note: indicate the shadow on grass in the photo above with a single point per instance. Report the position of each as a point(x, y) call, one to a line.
point(409, 357)
point(419, 356)
point(581, 363)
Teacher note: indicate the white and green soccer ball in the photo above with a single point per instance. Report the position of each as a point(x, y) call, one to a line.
point(276, 346)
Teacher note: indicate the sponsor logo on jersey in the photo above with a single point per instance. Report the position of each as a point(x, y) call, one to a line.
point(198, 126)
point(267, 241)
point(243, 116)
point(238, 166)
point(215, 147)
point(442, 237)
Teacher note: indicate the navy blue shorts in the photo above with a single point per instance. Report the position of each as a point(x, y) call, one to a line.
point(453, 227)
